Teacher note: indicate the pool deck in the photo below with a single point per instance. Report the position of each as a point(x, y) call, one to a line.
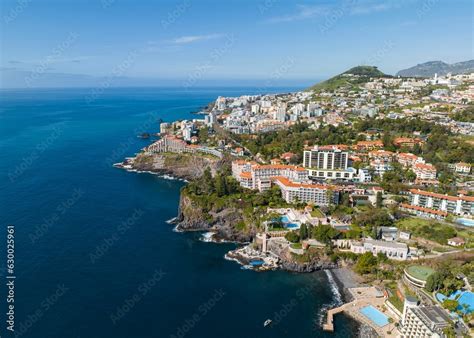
point(363, 296)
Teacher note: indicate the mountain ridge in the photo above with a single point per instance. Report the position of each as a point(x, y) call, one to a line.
point(430, 68)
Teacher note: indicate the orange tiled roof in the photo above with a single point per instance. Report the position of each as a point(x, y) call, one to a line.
point(286, 182)
point(424, 166)
point(381, 153)
point(376, 143)
point(427, 210)
point(401, 140)
point(441, 196)
point(408, 156)
point(246, 174)
point(276, 167)
point(334, 146)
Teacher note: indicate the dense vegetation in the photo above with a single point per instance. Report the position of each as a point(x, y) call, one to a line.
point(363, 73)
point(223, 191)
point(466, 115)
point(273, 144)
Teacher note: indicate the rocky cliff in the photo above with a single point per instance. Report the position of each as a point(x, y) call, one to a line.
point(185, 166)
point(224, 222)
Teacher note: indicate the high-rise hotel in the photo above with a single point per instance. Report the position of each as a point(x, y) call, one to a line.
point(328, 162)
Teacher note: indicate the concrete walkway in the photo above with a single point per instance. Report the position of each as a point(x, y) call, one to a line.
point(363, 297)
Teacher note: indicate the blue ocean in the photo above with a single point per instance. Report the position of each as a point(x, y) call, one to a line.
point(94, 255)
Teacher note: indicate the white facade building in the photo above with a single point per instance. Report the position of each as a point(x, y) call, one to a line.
point(392, 250)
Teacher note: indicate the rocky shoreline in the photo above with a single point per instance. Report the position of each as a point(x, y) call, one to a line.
point(183, 166)
point(218, 228)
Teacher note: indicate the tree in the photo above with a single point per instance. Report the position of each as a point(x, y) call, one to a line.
point(221, 185)
point(325, 233)
point(378, 202)
point(410, 176)
point(365, 263)
point(450, 304)
point(303, 231)
point(345, 199)
point(434, 282)
point(292, 237)
point(449, 332)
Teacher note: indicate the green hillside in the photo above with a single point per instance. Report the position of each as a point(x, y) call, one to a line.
point(361, 74)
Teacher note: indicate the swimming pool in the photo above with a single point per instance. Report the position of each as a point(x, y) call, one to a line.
point(465, 221)
point(289, 224)
point(464, 298)
point(256, 263)
point(374, 315)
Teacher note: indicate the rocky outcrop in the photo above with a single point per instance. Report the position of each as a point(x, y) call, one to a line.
point(185, 166)
point(193, 217)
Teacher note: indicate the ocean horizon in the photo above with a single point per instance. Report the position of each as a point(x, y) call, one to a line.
point(95, 255)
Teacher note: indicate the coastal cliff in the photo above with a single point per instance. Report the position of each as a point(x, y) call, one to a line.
point(225, 222)
point(185, 166)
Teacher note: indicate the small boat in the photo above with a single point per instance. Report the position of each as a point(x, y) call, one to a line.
point(267, 322)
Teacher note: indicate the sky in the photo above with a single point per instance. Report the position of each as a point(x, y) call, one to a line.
point(202, 42)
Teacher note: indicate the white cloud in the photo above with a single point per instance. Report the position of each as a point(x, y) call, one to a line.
point(355, 7)
point(195, 38)
point(303, 12)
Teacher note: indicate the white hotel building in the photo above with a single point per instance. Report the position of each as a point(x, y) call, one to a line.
point(328, 162)
point(319, 194)
point(256, 176)
point(392, 250)
point(292, 181)
point(423, 321)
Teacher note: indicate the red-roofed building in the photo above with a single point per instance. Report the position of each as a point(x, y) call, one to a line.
point(287, 156)
point(407, 142)
point(459, 205)
point(424, 171)
point(408, 159)
point(381, 155)
point(369, 145)
point(318, 194)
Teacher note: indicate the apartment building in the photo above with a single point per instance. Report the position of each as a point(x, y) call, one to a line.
point(169, 144)
point(380, 167)
point(459, 205)
point(257, 176)
point(424, 171)
point(328, 162)
point(409, 159)
point(319, 194)
point(381, 155)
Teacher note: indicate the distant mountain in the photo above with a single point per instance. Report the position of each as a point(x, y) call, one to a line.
point(429, 69)
point(361, 74)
